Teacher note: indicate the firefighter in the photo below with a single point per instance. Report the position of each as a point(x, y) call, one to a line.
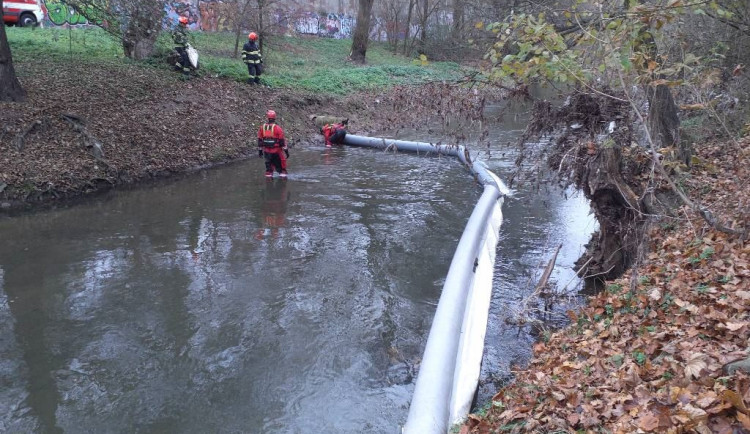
point(334, 133)
point(272, 146)
point(181, 42)
point(252, 57)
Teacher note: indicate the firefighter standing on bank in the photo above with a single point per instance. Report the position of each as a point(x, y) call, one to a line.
point(272, 146)
point(181, 42)
point(252, 58)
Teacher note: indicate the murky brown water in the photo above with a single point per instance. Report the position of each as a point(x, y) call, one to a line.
point(222, 302)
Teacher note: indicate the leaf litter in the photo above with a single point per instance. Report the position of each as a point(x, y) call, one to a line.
point(657, 362)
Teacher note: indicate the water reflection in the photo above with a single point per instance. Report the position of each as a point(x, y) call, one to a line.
point(160, 310)
point(273, 209)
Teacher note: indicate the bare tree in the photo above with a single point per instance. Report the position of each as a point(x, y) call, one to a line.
point(258, 18)
point(362, 31)
point(243, 10)
point(391, 11)
point(10, 88)
point(424, 14)
point(137, 23)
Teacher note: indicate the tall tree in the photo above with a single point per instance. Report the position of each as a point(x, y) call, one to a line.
point(10, 88)
point(362, 31)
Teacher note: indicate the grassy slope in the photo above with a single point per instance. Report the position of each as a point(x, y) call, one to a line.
point(312, 64)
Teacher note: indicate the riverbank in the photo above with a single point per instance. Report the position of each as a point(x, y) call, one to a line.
point(654, 352)
point(92, 123)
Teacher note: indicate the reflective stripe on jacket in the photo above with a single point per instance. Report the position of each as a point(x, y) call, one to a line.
point(251, 53)
point(271, 136)
point(180, 37)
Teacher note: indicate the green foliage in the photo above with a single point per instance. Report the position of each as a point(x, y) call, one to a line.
point(315, 64)
point(707, 253)
point(614, 288)
point(639, 357)
point(582, 47)
point(617, 360)
point(701, 288)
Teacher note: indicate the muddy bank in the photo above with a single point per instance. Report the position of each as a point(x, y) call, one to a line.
point(87, 128)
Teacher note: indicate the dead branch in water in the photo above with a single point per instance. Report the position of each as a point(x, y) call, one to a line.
point(547, 272)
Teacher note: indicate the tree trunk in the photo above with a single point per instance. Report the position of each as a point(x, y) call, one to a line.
point(408, 27)
point(138, 49)
point(362, 31)
point(10, 88)
point(458, 20)
point(423, 25)
point(664, 123)
point(142, 29)
point(238, 28)
point(261, 30)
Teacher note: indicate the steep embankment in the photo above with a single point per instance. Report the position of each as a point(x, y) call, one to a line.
point(90, 126)
point(654, 352)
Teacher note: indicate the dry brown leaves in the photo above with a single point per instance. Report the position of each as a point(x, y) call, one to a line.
point(149, 123)
point(653, 360)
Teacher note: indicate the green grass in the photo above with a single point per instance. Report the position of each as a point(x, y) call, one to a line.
point(310, 63)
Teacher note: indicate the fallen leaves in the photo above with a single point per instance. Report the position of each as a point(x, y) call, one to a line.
point(695, 365)
point(653, 360)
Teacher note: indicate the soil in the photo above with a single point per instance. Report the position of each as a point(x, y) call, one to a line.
point(89, 127)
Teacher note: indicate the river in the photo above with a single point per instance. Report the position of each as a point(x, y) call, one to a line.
point(223, 302)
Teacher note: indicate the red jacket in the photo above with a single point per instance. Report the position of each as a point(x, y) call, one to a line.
point(330, 129)
point(271, 138)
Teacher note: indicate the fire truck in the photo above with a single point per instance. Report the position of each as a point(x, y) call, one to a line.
point(23, 12)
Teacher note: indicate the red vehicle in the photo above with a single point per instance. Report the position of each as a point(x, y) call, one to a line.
point(23, 12)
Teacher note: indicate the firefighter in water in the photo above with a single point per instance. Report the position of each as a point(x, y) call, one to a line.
point(252, 58)
point(334, 133)
point(273, 210)
point(272, 146)
point(181, 42)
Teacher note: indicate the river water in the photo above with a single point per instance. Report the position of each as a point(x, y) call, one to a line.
point(223, 302)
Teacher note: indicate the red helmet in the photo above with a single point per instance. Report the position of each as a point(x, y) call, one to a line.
point(183, 20)
point(252, 36)
point(271, 114)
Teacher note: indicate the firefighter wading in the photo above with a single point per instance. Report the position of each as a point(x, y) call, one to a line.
point(252, 57)
point(272, 146)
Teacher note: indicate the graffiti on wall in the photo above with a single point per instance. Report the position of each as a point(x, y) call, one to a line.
point(60, 14)
point(216, 16)
point(338, 26)
point(182, 8)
